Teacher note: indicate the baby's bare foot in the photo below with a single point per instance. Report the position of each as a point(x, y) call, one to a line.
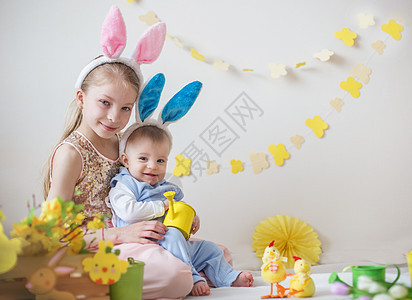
point(244, 279)
point(200, 288)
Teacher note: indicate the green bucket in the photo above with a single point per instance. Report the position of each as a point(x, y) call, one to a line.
point(130, 284)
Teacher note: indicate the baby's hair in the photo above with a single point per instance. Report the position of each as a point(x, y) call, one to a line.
point(154, 133)
point(105, 73)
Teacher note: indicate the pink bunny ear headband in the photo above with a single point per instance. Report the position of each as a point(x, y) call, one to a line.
point(113, 41)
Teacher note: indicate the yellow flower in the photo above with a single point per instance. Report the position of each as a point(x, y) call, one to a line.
point(51, 210)
point(292, 237)
point(60, 223)
point(77, 221)
point(35, 239)
point(74, 240)
point(96, 223)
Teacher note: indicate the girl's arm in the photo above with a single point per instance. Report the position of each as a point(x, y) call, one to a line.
point(145, 232)
point(66, 169)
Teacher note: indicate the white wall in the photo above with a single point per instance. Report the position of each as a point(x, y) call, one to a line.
point(352, 186)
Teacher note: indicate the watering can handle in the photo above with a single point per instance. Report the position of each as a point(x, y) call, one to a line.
point(397, 276)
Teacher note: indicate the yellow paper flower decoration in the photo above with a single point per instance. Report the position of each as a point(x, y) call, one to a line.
point(293, 237)
point(196, 55)
point(279, 153)
point(237, 166)
point(347, 36)
point(317, 125)
point(182, 166)
point(352, 86)
point(393, 28)
point(301, 64)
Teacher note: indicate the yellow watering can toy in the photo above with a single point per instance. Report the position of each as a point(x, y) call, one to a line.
point(179, 215)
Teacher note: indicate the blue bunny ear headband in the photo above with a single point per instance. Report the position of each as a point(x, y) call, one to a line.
point(175, 109)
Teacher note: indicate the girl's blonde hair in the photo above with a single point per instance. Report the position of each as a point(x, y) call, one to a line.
point(99, 76)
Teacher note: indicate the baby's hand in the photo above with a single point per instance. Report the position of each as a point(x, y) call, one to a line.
point(166, 204)
point(195, 224)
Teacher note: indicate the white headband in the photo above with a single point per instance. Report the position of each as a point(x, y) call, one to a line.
point(113, 42)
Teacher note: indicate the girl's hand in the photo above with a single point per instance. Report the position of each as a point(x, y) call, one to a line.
point(195, 224)
point(145, 232)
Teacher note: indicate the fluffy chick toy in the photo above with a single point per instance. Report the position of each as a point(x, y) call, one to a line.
point(301, 281)
point(105, 267)
point(274, 271)
point(9, 248)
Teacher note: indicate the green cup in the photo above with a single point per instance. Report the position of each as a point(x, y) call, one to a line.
point(376, 273)
point(130, 284)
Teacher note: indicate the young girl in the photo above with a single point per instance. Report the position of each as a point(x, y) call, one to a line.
point(88, 156)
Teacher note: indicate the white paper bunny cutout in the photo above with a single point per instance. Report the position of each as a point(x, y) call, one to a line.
point(175, 109)
point(113, 42)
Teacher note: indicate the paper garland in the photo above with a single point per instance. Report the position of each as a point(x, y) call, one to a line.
point(280, 154)
point(278, 70)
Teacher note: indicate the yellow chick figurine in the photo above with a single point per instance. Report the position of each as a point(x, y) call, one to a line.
point(9, 248)
point(105, 267)
point(274, 271)
point(301, 281)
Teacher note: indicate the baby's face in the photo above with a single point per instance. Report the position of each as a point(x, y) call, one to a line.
point(146, 160)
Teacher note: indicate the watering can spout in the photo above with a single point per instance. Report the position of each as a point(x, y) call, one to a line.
point(170, 195)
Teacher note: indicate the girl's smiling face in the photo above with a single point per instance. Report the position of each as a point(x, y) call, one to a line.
point(106, 108)
point(146, 160)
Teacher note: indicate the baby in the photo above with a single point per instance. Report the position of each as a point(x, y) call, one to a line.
point(137, 195)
